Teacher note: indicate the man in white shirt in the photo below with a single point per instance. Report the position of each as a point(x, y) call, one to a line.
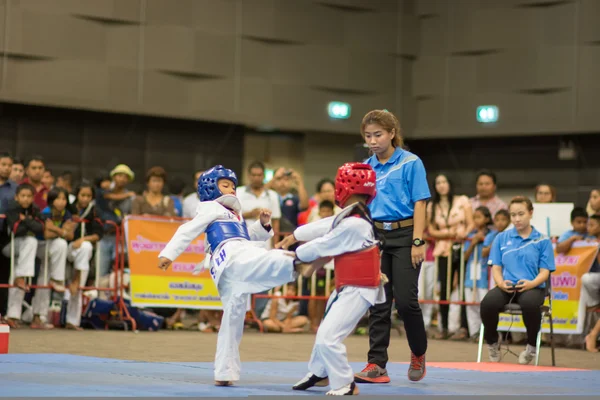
point(191, 201)
point(255, 197)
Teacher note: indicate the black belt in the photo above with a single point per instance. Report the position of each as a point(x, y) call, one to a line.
point(390, 226)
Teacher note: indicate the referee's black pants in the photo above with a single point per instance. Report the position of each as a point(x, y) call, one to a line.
point(396, 264)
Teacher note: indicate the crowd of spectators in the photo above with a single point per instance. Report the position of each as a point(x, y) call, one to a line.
point(51, 208)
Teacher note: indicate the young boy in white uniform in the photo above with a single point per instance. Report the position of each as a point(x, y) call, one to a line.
point(350, 239)
point(238, 266)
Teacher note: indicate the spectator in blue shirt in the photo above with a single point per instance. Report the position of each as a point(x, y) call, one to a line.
point(579, 220)
point(522, 260)
point(476, 274)
point(398, 213)
point(8, 188)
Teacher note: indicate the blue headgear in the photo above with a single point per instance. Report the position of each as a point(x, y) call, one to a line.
point(208, 189)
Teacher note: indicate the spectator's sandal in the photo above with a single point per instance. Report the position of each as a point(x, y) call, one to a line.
point(13, 323)
point(73, 327)
point(21, 284)
point(460, 335)
point(443, 335)
point(42, 325)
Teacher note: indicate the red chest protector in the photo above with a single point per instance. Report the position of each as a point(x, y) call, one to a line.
point(361, 268)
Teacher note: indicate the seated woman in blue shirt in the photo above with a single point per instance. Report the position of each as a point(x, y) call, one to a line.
point(522, 260)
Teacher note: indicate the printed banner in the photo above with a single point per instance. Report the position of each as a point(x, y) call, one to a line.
point(176, 287)
point(567, 311)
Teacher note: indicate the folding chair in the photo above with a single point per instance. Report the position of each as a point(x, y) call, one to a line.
point(546, 312)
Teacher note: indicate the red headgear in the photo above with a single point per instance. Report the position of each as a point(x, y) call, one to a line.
point(354, 178)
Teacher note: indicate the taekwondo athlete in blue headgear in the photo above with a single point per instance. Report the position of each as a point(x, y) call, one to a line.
point(238, 266)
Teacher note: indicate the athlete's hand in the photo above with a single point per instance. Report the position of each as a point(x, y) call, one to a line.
point(320, 262)
point(164, 263)
point(265, 216)
point(286, 243)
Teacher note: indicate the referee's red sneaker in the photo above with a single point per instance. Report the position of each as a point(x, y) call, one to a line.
point(417, 370)
point(372, 373)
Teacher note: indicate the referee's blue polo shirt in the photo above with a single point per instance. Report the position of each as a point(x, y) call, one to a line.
point(401, 182)
point(522, 258)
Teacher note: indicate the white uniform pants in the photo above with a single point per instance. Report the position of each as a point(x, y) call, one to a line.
point(473, 314)
point(57, 263)
point(81, 262)
point(248, 269)
point(590, 289)
point(426, 287)
point(25, 249)
point(329, 357)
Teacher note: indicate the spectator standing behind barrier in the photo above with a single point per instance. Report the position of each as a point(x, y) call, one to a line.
point(486, 193)
point(192, 201)
point(545, 193)
point(522, 260)
point(153, 201)
point(35, 172)
point(253, 198)
point(176, 187)
point(449, 220)
point(18, 170)
point(65, 181)
point(476, 270)
point(325, 191)
point(24, 220)
point(8, 188)
point(593, 206)
point(115, 203)
point(399, 216)
point(88, 232)
point(291, 204)
point(48, 179)
point(590, 281)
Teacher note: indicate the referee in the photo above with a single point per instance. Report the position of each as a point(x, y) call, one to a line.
point(399, 214)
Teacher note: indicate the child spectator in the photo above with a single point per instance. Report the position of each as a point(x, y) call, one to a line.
point(501, 222)
point(58, 229)
point(177, 186)
point(476, 275)
point(24, 221)
point(281, 315)
point(18, 170)
point(88, 231)
point(590, 281)
point(579, 220)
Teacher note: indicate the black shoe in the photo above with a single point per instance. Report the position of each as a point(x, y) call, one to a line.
point(309, 381)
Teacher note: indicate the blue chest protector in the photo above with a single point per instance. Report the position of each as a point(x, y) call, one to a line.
point(219, 231)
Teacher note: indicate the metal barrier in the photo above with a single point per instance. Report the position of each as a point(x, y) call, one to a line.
point(118, 268)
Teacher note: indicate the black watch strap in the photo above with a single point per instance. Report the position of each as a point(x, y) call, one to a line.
point(418, 242)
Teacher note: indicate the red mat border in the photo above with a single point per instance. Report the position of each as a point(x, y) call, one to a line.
point(497, 367)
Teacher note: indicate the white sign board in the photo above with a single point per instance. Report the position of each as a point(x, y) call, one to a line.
point(552, 219)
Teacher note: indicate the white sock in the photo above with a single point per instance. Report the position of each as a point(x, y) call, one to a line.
point(531, 349)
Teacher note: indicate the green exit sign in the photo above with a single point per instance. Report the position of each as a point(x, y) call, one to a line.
point(339, 110)
point(487, 114)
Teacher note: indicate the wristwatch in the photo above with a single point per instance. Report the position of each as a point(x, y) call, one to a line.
point(418, 242)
